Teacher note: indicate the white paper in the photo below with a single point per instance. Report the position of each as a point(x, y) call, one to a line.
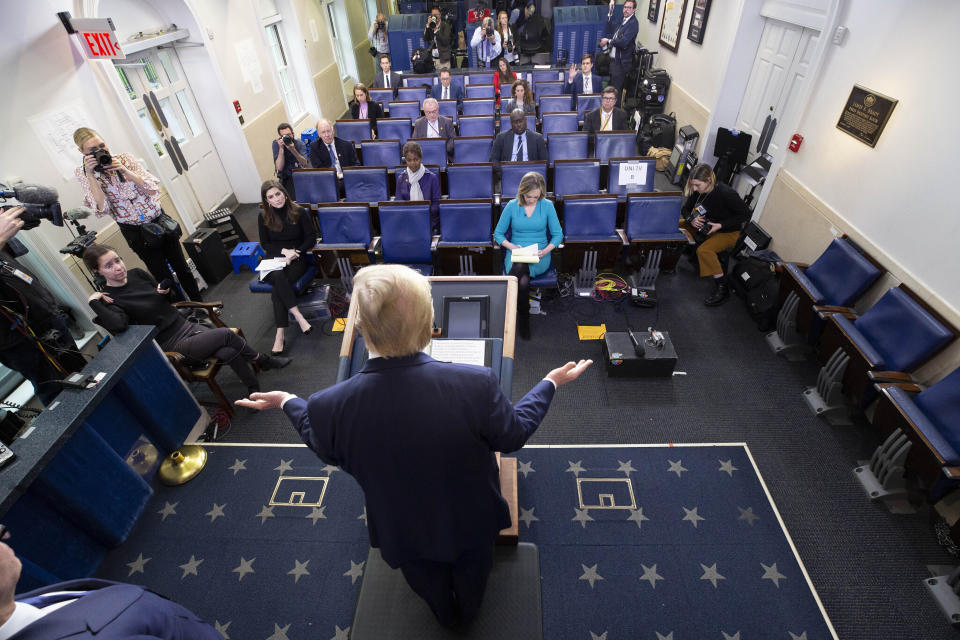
point(526, 254)
point(270, 264)
point(459, 351)
point(55, 129)
point(750, 243)
point(314, 32)
point(249, 64)
point(632, 173)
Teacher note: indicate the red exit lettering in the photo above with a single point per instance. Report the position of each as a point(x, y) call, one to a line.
point(100, 44)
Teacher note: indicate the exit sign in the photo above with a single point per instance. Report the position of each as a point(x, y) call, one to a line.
point(98, 38)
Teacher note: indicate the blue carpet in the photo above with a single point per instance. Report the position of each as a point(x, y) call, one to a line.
point(672, 543)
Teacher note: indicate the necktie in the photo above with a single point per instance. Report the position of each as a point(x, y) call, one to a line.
point(386, 80)
point(486, 52)
point(334, 160)
point(587, 85)
point(518, 150)
point(446, 93)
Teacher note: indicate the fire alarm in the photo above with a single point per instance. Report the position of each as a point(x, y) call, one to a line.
point(795, 142)
point(236, 105)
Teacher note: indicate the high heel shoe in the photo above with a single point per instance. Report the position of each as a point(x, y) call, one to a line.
point(280, 352)
point(306, 332)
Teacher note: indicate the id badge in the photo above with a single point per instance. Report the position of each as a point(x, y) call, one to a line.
point(436, 53)
point(26, 277)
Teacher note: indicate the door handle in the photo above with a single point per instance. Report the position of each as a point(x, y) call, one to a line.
point(176, 148)
point(156, 107)
point(173, 156)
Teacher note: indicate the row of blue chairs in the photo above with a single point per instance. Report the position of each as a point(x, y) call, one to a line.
point(535, 78)
point(412, 107)
point(476, 180)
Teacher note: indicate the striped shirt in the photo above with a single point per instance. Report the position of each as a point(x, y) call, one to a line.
point(126, 202)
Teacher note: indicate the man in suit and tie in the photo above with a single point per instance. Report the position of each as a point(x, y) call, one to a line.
point(89, 608)
point(433, 125)
point(418, 435)
point(447, 89)
point(387, 79)
point(330, 152)
point(518, 144)
point(622, 42)
point(583, 81)
point(607, 117)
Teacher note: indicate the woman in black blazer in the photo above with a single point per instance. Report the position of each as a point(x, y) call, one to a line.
point(364, 108)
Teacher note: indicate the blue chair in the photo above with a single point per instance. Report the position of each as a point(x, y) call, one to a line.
point(394, 129)
point(837, 278)
point(315, 185)
point(567, 146)
point(549, 89)
point(262, 286)
point(405, 236)
point(591, 240)
point(365, 184)
point(383, 96)
point(513, 172)
point(563, 122)
point(479, 107)
point(449, 108)
point(467, 181)
point(622, 190)
point(615, 144)
point(479, 91)
point(356, 131)
point(380, 153)
point(346, 240)
point(587, 103)
point(434, 151)
point(544, 75)
point(553, 103)
point(408, 94)
point(419, 80)
point(472, 126)
point(409, 109)
point(505, 122)
point(652, 228)
point(472, 149)
point(576, 177)
point(466, 247)
point(482, 77)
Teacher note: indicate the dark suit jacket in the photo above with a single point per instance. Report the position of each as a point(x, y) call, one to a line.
point(446, 127)
point(374, 111)
point(576, 87)
point(396, 80)
point(320, 157)
point(456, 93)
point(503, 147)
point(623, 38)
point(592, 121)
point(418, 436)
point(112, 611)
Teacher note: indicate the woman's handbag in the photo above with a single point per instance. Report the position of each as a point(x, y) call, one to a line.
point(157, 230)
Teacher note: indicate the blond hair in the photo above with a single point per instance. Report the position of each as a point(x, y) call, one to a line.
point(81, 135)
point(530, 181)
point(394, 309)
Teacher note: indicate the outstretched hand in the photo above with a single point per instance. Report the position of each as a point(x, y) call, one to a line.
point(568, 372)
point(265, 400)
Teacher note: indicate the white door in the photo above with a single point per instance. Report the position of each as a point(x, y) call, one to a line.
point(780, 69)
point(201, 179)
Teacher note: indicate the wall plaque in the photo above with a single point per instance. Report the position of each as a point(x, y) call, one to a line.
point(866, 114)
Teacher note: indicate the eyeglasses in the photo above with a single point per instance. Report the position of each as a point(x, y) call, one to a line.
point(609, 98)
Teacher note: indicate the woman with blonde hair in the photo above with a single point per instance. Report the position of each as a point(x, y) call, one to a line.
point(528, 218)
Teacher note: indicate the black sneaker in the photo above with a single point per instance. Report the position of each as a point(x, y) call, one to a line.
point(720, 295)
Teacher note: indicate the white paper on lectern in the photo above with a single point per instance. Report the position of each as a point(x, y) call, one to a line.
point(459, 351)
point(632, 173)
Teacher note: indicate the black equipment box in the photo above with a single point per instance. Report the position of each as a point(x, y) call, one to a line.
point(226, 225)
point(205, 248)
point(623, 362)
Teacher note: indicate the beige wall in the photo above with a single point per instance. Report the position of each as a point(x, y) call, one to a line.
point(687, 109)
point(332, 103)
point(322, 63)
point(260, 132)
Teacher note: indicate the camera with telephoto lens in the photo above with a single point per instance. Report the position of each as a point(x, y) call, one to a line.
point(381, 24)
point(509, 47)
point(103, 158)
point(287, 139)
point(489, 31)
point(432, 21)
point(38, 202)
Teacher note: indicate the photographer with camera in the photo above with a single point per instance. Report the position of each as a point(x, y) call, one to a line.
point(119, 187)
point(486, 40)
point(34, 340)
point(438, 35)
point(506, 37)
point(378, 37)
point(622, 43)
point(293, 156)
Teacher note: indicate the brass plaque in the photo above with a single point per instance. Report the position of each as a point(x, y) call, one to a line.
point(866, 114)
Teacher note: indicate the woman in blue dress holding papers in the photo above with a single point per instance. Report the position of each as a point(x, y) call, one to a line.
point(531, 219)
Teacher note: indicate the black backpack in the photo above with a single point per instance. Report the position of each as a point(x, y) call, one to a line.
point(658, 130)
point(758, 283)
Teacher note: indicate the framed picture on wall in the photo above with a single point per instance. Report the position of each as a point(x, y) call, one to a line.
point(698, 20)
point(672, 24)
point(652, 10)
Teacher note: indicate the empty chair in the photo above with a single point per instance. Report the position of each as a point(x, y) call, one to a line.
point(893, 337)
point(345, 238)
point(512, 172)
point(480, 91)
point(434, 151)
point(646, 169)
point(365, 184)
point(575, 177)
point(356, 131)
point(653, 228)
point(553, 103)
point(394, 129)
point(482, 77)
point(407, 94)
point(538, 76)
point(837, 278)
point(586, 103)
point(405, 235)
point(567, 146)
point(407, 109)
point(315, 185)
point(474, 180)
point(448, 108)
point(477, 126)
point(563, 122)
point(418, 80)
point(505, 122)
point(380, 153)
point(383, 96)
point(466, 245)
point(479, 106)
point(591, 240)
point(472, 149)
point(615, 144)
point(551, 88)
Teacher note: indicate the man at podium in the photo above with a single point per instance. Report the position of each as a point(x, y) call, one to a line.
point(419, 435)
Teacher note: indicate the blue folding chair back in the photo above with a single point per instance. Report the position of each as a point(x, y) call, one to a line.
point(365, 184)
point(505, 122)
point(479, 107)
point(564, 122)
point(405, 235)
point(615, 144)
point(434, 150)
point(465, 222)
point(480, 78)
point(407, 94)
point(587, 103)
point(345, 224)
point(574, 177)
point(567, 146)
point(448, 108)
point(380, 153)
point(480, 91)
point(590, 218)
point(418, 80)
point(315, 185)
point(408, 109)
point(541, 76)
point(472, 149)
point(839, 276)
point(549, 89)
point(655, 217)
point(513, 172)
point(477, 126)
point(470, 180)
point(394, 129)
point(356, 131)
point(383, 96)
point(553, 103)
point(647, 171)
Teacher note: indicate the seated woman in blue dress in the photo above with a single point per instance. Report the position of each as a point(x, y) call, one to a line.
point(417, 183)
point(531, 219)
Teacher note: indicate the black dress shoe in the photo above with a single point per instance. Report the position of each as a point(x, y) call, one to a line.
point(720, 295)
point(272, 362)
point(278, 353)
point(307, 332)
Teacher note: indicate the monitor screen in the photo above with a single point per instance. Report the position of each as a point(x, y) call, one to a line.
point(466, 317)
